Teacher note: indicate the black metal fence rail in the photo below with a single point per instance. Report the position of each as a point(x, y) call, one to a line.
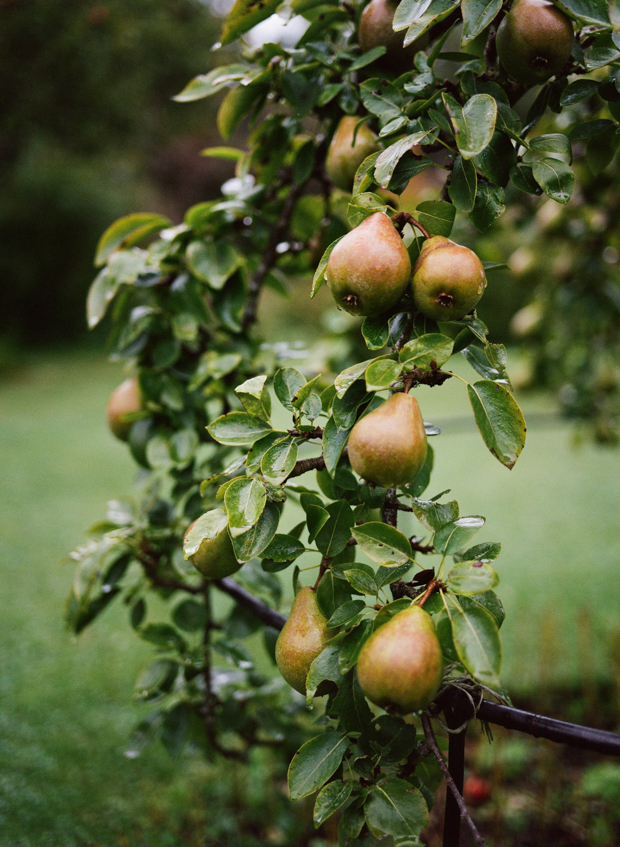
point(458, 711)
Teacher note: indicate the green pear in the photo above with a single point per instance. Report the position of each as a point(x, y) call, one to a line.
point(534, 41)
point(400, 667)
point(344, 156)
point(375, 30)
point(124, 400)
point(388, 446)
point(301, 639)
point(369, 269)
point(208, 547)
point(448, 279)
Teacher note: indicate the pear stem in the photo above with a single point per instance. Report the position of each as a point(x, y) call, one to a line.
point(401, 218)
point(432, 743)
point(433, 586)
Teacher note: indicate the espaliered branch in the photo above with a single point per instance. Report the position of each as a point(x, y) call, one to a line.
point(393, 601)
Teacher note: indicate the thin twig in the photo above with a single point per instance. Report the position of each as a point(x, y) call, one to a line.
point(430, 738)
point(150, 561)
point(270, 256)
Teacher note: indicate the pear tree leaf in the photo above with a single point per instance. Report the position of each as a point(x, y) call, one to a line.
point(589, 11)
point(364, 205)
point(577, 91)
point(347, 614)
point(436, 216)
point(361, 581)
point(331, 798)
point(238, 428)
point(376, 332)
point(488, 206)
point(499, 420)
point(477, 15)
point(394, 807)
point(433, 515)
point(255, 397)
point(245, 500)
point(352, 644)
point(464, 184)
point(331, 593)
point(473, 124)
point(252, 543)
point(334, 441)
point(244, 15)
point(333, 536)
point(127, 231)
point(418, 16)
point(305, 391)
point(346, 378)
point(553, 142)
point(477, 641)
point(383, 543)
point(390, 157)
point(488, 600)
point(319, 274)
point(283, 548)
point(488, 551)
point(279, 461)
point(350, 706)
point(287, 382)
point(207, 526)
point(315, 762)
point(472, 577)
point(425, 350)
point(213, 262)
point(454, 535)
point(324, 667)
point(555, 178)
point(204, 85)
point(381, 374)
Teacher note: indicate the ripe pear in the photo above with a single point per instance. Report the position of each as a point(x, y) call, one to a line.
point(368, 270)
point(400, 667)
point(301, 639)
point(448, 279)
point(124, 400)
point(388, 446)
point(534, 41)
point(344, 156)
point(208, 547)
point(375, 30)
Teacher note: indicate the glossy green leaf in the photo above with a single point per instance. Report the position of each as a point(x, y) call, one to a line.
point(590, 11)
point(474, 124)
point(472, 577)
point(376, 331)
point(361, 581)
point(477, 641)
point(426, 351)
point(204, 85)
point(436, 216)
point(279, 461)
point(334, 441)
point(330, 798)
point(552, 142)
point(499, 420)
point(464, 184)
point(383, 543)
point(255, 397)
point(333, 536)
point(245, 500)
point(213, 262)
point(238, 428)
point(238, 103)
point(350, 706)
point(255, 540)
point(477, 15)
point(394, 807)
point(489, 601)
point(577, 91)
point(283, 548)
point(381, 374)
point(347, 614)
point(314, 763)
point(127, 231)
point(319, 274)
point(286, 383)
point(390, 157)
point(454, 535)
point(435, 515)
point(324, 667)
point(352, 644)
point(346, 378)
point(555, 178)
point(418, 16)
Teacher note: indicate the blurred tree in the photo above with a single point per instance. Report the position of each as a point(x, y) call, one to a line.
point(86, 89)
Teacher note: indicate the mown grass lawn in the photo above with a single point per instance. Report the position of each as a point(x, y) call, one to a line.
point(65, 705)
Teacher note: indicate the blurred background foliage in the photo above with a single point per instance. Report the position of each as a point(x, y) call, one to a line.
point(88, 132)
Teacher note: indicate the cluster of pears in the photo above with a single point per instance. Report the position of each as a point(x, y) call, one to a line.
point(400, 667)
point(369, 270)
point(534, 41)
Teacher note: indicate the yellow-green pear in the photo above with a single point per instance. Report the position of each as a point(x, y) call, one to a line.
point(208, 547)
point(448, 279)
point(534, 41)
point(301, 639)
point(369, 269)
point(124, 400)
point(388, 446)
point(400, 667)
point(344, 156)
point(375, 30)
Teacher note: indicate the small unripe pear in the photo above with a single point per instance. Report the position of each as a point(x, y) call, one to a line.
point(375, 30)
point(400, 667)
point(208, 547)
point(448, 280)
point(388, 446)
point(369, 269)
point(301, 639)
point(124, 400)
point(534, 41)
point(344, 156)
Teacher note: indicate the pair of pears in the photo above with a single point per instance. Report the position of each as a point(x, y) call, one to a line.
point(369, 271)
point(399, 668)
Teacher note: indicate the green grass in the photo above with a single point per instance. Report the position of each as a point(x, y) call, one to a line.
point(66, 710)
